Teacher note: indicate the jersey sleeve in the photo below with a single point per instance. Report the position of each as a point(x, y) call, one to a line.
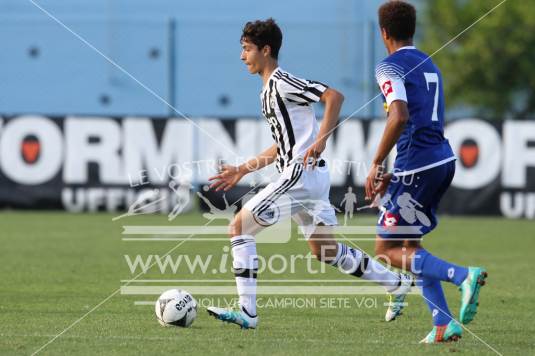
point(390, 78)
point(300, 91)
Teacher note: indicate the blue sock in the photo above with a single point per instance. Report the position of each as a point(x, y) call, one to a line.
point(425, 264)
point(435, 299)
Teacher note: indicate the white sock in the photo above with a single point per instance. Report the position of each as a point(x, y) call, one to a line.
point(245, 265)
point(357, 263)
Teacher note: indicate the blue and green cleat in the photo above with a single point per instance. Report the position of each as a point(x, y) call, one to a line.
point(240, 318)
point(470, 293)
point(444, 333)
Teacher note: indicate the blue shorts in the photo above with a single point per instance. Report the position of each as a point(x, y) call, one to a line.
point(409, 206)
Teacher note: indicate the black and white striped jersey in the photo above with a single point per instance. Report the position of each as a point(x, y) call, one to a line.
point(287, 107)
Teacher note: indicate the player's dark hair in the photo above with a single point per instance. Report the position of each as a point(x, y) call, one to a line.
point(263, 33)
point(398, 18)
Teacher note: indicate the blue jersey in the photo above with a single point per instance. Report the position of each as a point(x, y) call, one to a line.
point(409, 75)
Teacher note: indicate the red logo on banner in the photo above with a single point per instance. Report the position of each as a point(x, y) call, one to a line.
point(469, 153)
point(387, 87)
point(30, 149)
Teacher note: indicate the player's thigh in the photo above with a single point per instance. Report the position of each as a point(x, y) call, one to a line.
point(244, 223)
point(271, 205)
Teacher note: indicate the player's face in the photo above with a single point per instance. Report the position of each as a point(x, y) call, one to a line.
point(252, 57)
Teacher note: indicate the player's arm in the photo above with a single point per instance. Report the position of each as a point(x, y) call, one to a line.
point(262, 160)
point(398, 115)
point(229, 175)
point(333, 103)
point(390, 78)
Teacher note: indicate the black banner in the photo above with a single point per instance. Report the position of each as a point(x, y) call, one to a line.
point(115, 164)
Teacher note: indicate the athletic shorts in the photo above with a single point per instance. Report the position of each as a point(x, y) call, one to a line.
point(300, 193)
point(409, 206)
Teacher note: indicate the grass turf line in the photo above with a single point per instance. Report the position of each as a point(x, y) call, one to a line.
point(57, 266)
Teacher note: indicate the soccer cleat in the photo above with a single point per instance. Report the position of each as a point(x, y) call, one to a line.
point(396, 299)
point(240, 318)
point(444, 333)
point(470, 293)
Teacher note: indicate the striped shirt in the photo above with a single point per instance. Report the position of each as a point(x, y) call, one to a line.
point(286, 105)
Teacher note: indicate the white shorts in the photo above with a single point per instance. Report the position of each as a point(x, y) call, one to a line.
point(300, 193)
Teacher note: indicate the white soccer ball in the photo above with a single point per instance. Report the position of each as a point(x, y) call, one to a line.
point(176, 307)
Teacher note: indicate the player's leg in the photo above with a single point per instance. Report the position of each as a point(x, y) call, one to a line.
point(254, 216)
point(424, 191)
point(245, 266)
point(398, 240)
point(400, 253)
point(410, 255)
point(316, 221)
point(469, 279)
point(352, 260)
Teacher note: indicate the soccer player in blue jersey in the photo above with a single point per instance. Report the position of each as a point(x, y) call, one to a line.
point(423, 170)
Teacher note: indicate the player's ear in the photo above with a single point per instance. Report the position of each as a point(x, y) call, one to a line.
point(266, 51)
point(384, 34)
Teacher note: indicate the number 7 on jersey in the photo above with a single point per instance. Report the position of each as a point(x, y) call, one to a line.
point(433, 78)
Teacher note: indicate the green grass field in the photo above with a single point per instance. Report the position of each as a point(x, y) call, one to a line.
point(56, 267)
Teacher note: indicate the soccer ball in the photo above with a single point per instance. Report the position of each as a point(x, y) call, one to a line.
point(176, 307)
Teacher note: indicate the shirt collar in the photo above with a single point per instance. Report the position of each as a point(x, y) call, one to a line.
point(405, 47)
point(270, 76)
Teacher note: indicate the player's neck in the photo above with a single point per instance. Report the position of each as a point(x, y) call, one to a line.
point(268, 70)
point(393, 46)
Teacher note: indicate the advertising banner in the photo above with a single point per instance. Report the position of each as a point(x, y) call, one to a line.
point(84, 164)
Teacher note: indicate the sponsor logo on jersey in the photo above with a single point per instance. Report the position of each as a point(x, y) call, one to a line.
point(272, 103)
point(387, 87)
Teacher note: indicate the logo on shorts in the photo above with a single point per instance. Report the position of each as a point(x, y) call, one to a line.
point(387, 87)
point(390, 219)
point(269, 215)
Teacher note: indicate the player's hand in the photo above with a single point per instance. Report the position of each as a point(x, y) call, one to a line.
point(374, 177)
point(227, 178)
point(383, 183)
point(313, 153)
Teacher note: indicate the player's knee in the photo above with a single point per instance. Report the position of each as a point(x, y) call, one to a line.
point(323, 252)
point(316, 252)
point(234, 228)
point(321, 256)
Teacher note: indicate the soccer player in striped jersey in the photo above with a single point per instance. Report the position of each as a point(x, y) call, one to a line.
point(302, 189)
point(423, 170)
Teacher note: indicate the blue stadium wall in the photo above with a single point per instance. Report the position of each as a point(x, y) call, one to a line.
point(187, 52)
